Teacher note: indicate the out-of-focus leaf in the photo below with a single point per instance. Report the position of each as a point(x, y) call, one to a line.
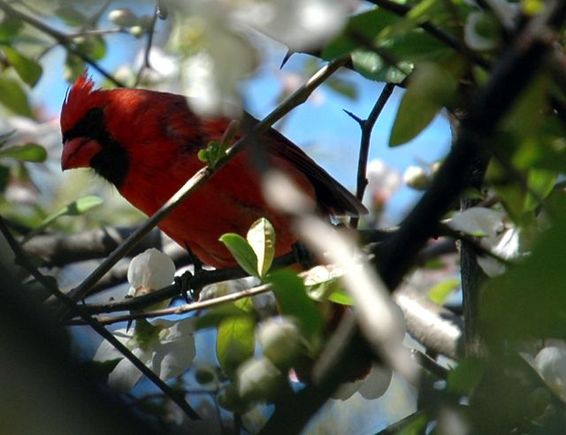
point(322, 283)
point(74, 67)
point(70, 15)
point(4, 177)
point(373, 67)
point(242, 252)
point(528, 114)
point(366, 25)
point(93, 46)
point(29, 152)
point(28, 69)
point(75, 208)
point(83, 205)
point(261, 237)
point(540, 184)
point(13, 97)
point(466, 376)
point(343, 87)
point(381, 29)
point(529, 300)
point(430, 89)
point(292, 298)
point(235, 342)
point(9, 29)
point(216, 315)
point(440, 292)
point(415, 426)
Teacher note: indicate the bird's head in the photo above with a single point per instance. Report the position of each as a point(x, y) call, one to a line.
point(87, 141)
point(112, 131)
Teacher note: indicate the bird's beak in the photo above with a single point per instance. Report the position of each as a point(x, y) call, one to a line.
point(78, 152)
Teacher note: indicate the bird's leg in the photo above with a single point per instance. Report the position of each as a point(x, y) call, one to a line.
point(186, 281)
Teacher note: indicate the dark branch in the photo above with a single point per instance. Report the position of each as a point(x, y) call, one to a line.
point(367, 127)
point(23, 260)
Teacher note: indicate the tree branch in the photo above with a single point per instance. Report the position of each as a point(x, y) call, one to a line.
point(366, 127)
point(50, 285)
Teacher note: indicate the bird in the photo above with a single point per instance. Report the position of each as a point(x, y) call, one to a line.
point(146, 144)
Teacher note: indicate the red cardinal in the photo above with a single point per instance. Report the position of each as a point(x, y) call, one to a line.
point(146, 143)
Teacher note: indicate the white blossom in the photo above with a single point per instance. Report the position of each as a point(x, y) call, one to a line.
point(280, 340)
point(150, 270)
point(489, 226)
point(168, 354)
point(550, 362)
point(258, 379)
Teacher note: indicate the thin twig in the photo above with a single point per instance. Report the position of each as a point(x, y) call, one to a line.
point(200, 177)
point(60, 37)
point(23, 260)
point(366, 127)
point(149, 42)
point(181, 309)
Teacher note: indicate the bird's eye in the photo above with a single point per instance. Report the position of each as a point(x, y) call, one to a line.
point(94, 115)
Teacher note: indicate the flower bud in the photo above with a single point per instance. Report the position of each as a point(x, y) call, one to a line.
point(259, 379)
point(416, 177)
point(123, 17)
point(150, 270)
point(281, 341)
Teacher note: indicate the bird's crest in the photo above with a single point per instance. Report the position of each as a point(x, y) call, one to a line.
point(76, 101)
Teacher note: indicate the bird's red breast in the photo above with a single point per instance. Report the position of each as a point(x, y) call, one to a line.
point(146, 143)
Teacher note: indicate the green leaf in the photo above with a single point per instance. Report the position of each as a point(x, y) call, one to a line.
point(440, 292)
point(529, 300)
point(367, 25)
point(322, 285)
point(343, 87)
point(341, 297)
point(235, 342)
point(13, 97)
point(261, 238)
point(93, 46)
point(242, 252)
point(466, 376)
point(541, 183)
point(213, 317)
point(293, 300)
point(75, 208)
point(415, 426)
point(212, 154)
point(74, 67)
point(71, 16)
point(372, 66)
point(429, 90)
point(83, 205)
point(28, 69)
point(29, 152)
point(10, 28)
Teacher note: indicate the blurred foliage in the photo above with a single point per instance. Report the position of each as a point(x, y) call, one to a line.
point(498, 391)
